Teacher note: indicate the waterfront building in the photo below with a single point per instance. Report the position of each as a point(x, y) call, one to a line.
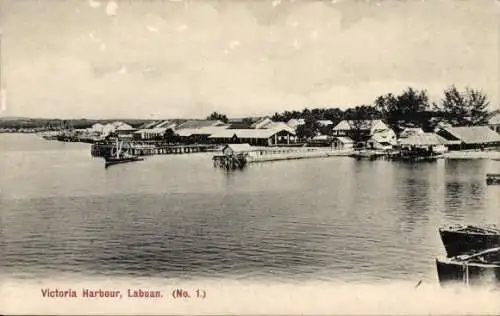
point(409, 131)
point(345, 127)
point(150, 133)
point(342, 142)
point(199, 135)
point(470, 137)
point(294, 123)
point(382, 140)
point(321, 140)
point(431, 141)
point(259, 137)
point(494, 123)
point(235, 149)
point(264, 122)
point(191, 124)
point(376, 134)
point(155, 130)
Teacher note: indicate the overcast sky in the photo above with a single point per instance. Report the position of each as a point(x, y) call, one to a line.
point(161, 58)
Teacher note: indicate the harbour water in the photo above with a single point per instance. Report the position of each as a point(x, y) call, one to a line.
point(178, 217)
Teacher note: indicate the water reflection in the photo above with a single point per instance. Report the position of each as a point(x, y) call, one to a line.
point(178, 216)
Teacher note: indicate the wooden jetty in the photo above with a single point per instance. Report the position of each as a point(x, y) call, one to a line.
point(233, 156)
point(417, 154)
point(493, 178)
point(103, 149)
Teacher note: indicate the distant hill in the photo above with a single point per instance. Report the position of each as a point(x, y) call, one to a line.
point(49, 123)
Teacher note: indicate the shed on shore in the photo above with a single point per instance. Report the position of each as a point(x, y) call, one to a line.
point(470, 137)
point(425, 140)
point(234, 149)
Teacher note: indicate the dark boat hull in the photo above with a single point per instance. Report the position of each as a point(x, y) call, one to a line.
point(472, 274)
point(492, 178)
point(459, 243)
point(116, 161)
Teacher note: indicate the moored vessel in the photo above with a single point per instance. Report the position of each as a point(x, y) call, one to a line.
point(119, 156)
point(493, 178)
point(480, 268)
point(466, 239)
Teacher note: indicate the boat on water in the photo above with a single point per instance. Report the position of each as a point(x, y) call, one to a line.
point(119, 156)
point(368, 155)
point(52, 135)
point(493, 178)
point(466, 239)
point(475, 269)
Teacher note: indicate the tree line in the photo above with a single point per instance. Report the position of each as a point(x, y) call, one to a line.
point(411, 108)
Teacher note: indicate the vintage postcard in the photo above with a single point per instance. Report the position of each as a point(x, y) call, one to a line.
point(249, 157)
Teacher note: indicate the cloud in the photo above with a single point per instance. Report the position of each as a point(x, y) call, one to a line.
point(111, 8)
point(234, 44)
point(182, 27)
point(152, 29)
point(94, 4)
point(270, 62)
point(3, 100)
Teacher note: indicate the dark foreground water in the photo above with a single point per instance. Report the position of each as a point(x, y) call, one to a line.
point(178, 217)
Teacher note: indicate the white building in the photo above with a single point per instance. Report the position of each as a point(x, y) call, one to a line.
point(494, 123)
point(410, 131)
point(372, 126)
point(294, 123)
point(325, 122)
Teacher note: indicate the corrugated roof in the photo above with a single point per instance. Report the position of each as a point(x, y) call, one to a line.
point(207, 130)
point(262, 123)
point(199, 123)
point(246, 133)
point(344, 140)
point(495, 120)
point(425, 139)
point(156, 130)
point(295, 122)
point(345, 125)
point(124, 127)
point(239, 147)
point(474, 134)
point(411, 131)
point(280, 126)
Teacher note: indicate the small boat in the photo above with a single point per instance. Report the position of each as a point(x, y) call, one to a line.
point(119, 156)
point(477, 269)
point(367, 155)
point(50, 135)
point(493, 178)
point(466, 239)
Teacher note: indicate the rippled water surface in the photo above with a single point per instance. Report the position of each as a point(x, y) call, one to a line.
point(178, 217)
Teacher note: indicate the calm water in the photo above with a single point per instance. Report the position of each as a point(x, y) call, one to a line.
point(61, 212)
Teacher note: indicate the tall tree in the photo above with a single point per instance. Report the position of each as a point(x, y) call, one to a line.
point(360, 120)
point(466, 108)
point(218, 116)
point(307, 130)
point(410, 108)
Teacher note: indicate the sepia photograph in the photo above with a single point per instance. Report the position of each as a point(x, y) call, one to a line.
point(249, 157)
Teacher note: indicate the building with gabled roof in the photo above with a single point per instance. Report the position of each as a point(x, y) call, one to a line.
point(260, 137)
point(372, 126)
point(469, 137)
point(199, 123)
point(494, 123)
point(294, 123)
